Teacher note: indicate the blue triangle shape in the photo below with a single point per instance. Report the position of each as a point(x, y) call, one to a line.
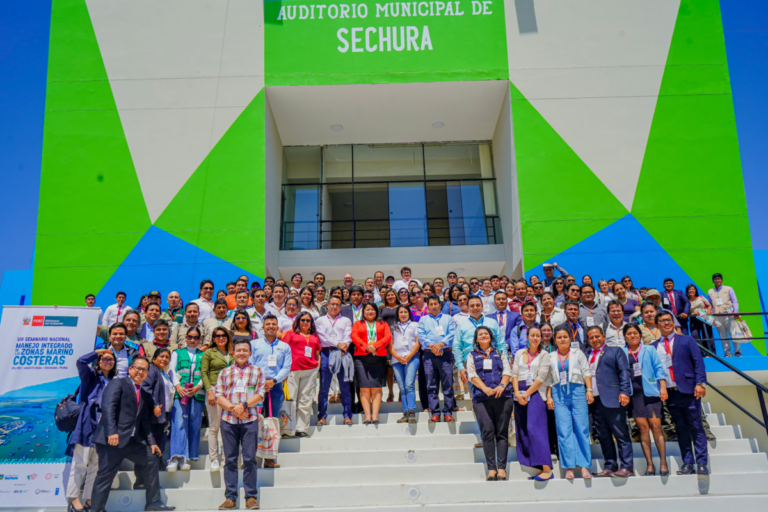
point(164, 262)
point(625, 247)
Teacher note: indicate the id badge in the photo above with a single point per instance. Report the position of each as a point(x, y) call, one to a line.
point(666, 301)
point(593, 366)
point(719, 301)
point(547, 288)
point(575, 345)
point(487, 364)
point(332, 335)
point(563, 378)
point(590, 321)
point(440, 330)
point(637, 370)
point(272, 361)
point(529, 380)
point(239, 386)
point(307, 351)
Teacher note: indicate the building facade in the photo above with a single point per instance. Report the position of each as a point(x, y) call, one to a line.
point(162, 142)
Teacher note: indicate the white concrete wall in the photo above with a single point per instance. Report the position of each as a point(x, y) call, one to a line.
point(506, 184)
point(273, 170)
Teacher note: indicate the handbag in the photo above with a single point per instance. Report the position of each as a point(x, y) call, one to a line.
point(269, 436)
point(67, 411)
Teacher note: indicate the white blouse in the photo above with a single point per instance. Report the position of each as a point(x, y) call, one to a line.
point(578, 368)
point(539, 367)
point(404, 337)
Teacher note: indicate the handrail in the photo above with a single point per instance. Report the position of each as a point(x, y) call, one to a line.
point(738, 406)
point(734, 369)
point(739, 314)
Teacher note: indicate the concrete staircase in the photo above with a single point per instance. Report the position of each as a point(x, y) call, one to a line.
point(400, 467)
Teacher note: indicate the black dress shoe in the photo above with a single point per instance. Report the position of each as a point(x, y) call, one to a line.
point(302, 434)
point(686, 469)
point(702, 469)
point(159, 506)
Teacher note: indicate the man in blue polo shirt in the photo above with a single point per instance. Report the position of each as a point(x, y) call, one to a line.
point(436, 332)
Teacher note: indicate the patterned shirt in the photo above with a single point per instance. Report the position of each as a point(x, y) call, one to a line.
point(227, 386)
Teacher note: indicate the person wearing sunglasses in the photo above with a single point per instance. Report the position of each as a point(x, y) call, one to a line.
point(274, 358)
point(96, 369)
point(305, 361)
point(191, 319)
point(188, 403)
point(217, 358)
point(205, 300)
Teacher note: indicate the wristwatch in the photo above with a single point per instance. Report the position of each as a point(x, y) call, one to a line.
point(703, 384)
point(589, 389)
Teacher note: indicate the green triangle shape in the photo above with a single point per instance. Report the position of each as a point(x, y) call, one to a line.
point(693, 150)
point(205, 212)
point(548, 168)
point(91, 210)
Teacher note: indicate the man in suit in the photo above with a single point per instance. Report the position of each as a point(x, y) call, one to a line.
point(686, 384)
point(677, 303)
point(611, 387)
point(124, 432)
point(506, 319)
point(578, 332)
point(354, 312)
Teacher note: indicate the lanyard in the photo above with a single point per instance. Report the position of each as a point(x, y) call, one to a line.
point(502, 318)
point(371, 327)
point(636, 356)
point(562, 360)
point(192, 369)
point(574, 330)
point(257, 315)
point(403, 327)
point(221, 322)
point(306, 337)
point(332, 322)
point(357, 312)
point(530, 359)
point(477, 323)
point(596, 354)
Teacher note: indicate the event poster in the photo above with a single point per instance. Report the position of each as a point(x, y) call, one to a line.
point(42, 345)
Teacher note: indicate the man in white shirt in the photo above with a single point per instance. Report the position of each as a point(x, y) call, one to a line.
point(487, 296)
point(378, 280)
point(115, 312)
point(404, 282)
point(614, 332)
point(348, 280)
point(257, 311)
point(205, 300)
point(335, 333)
point(296, 280)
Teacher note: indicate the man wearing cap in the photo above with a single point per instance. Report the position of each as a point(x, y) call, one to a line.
point(549, 274)
point(153, 297)
point(240, 286)
point(654, 296)
point(677, 302)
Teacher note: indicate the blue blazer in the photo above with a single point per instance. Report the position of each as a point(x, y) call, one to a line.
point(687, 363)
point(450, 308)
point(682, 304)
point(652, 368)
point(512, 320)
point(613, 376)
point(92, 384)
point(155, 386)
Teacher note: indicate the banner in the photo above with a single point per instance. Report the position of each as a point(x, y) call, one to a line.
point(41, 346)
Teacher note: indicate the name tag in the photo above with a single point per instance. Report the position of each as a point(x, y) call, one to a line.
point(307, 351)
point(272, 361)
point(239, 386)
point(529, 380)
point(666, 300)
point(590, 321)
point(440, 330)
point(637, 370)
point(719, 301)
point(547, 288)
point(487, 364)
point(575, 345)
point(332, 334)
point(593, 366)
point(563, 378)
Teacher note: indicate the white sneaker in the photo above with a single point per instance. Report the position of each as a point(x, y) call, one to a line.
point(185, 465)
point(214, 465)
point(173, 465)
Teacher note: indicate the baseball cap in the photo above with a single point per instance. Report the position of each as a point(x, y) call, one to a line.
point(154, 293)
point(547, 265)
point(653, 292)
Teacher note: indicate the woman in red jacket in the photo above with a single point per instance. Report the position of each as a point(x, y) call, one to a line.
point(371, 337)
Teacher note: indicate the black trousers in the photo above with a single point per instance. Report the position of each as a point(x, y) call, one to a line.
point(610, 423)
point(493, 415)
point(158, 432)
point(110, 458)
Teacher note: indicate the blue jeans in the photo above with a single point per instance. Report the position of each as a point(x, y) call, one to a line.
point(572, 415)
point(406, 381)
point(325, 385)
point(185, 428)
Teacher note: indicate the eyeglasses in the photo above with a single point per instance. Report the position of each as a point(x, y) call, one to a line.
point(139, 370)
point(305, 321)
point(218, 336)
point(666, 321)
point(538, 287)
point(417, 293)
point(108, 361)
point(193, 337)
point(207, 288)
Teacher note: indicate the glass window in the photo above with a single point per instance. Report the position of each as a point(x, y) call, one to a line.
point(301, 165)
point(388, 163)
point(452, 161)
point(301, 217)
point(337, 164)
point(407, 215)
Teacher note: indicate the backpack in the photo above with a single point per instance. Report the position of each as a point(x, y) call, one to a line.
point(66, 413)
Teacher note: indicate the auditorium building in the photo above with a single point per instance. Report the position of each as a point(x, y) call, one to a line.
point(162, 142)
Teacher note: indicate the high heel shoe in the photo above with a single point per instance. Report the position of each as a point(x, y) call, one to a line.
point(663, 472)
point(491, 478)
point(651, 472)
point(72, 508)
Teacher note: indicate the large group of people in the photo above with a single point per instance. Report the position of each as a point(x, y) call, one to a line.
point(570, 363)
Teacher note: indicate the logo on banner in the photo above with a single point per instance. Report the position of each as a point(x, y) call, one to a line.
point(32, 476)
point(26, 320)
point(52, 321)
point(9, 477)
point(48, 476)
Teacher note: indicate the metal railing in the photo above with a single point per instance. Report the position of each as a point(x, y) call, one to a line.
point(760, 388)
point(350, 234)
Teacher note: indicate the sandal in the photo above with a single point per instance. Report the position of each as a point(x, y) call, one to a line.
point(491, 478)
point(569, 474)
point(585, 474)
point(501, 477)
